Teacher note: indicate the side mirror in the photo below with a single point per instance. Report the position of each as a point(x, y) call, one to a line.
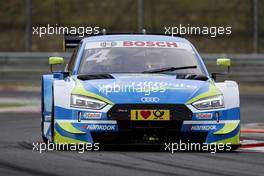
point(225, 62)
point(55, 61)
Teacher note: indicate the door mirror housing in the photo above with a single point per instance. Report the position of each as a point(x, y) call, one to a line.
point(55, 61)
point(224, 62)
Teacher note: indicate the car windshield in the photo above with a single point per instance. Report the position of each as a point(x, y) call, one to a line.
point(137, 60)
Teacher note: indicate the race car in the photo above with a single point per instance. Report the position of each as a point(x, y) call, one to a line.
point(137, 89)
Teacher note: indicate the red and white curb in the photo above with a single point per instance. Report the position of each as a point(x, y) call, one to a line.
point(252, 146)
point(252, 130)
point(252, 139)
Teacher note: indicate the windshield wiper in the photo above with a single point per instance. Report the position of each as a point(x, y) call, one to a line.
point(192, 76)
point(169, 69)
point(95, 76)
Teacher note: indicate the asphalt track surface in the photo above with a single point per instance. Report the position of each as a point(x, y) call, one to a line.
point(20, 130)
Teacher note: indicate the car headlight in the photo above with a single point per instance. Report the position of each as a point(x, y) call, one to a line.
point(214, 102)
point(78, 101)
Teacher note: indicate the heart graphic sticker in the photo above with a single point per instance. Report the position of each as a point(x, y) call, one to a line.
point(145, 114)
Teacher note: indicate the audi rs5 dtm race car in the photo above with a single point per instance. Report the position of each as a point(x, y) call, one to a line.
point(137, 89)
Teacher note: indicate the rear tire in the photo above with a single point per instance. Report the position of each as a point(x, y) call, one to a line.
point(235, 147)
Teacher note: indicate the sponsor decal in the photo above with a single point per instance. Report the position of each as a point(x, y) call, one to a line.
point(153, 114)
point(156, 44)
point(92, 115)
point(150, 44)
point(203, 127)
point(204, 116)
point(47, 118)
point(122, 110)
point(101, 127)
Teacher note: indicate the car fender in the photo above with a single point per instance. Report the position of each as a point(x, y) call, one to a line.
point(62, 92)
point(230, 93)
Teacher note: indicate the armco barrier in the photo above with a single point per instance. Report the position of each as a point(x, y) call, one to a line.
point(28, 67)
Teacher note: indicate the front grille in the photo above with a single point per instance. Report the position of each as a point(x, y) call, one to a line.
point(122, 111)
point(140, 132)
point(140, 136)
point(128, 125)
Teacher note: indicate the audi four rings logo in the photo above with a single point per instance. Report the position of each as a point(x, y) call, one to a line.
point(150, 99)
point(108, 44)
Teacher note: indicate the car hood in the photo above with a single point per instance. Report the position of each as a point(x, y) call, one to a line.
point(145, 88)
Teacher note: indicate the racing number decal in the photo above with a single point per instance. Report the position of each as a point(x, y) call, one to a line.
point(99, 56)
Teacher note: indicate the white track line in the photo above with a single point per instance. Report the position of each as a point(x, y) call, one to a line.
point(20, 109)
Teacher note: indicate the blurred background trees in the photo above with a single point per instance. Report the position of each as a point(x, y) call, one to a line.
point(123, 16)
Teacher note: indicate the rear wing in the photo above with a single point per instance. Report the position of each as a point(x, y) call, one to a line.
point(71, 41)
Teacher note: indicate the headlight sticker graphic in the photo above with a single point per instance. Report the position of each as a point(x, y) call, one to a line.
point(214, 102)
point(86, 102)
